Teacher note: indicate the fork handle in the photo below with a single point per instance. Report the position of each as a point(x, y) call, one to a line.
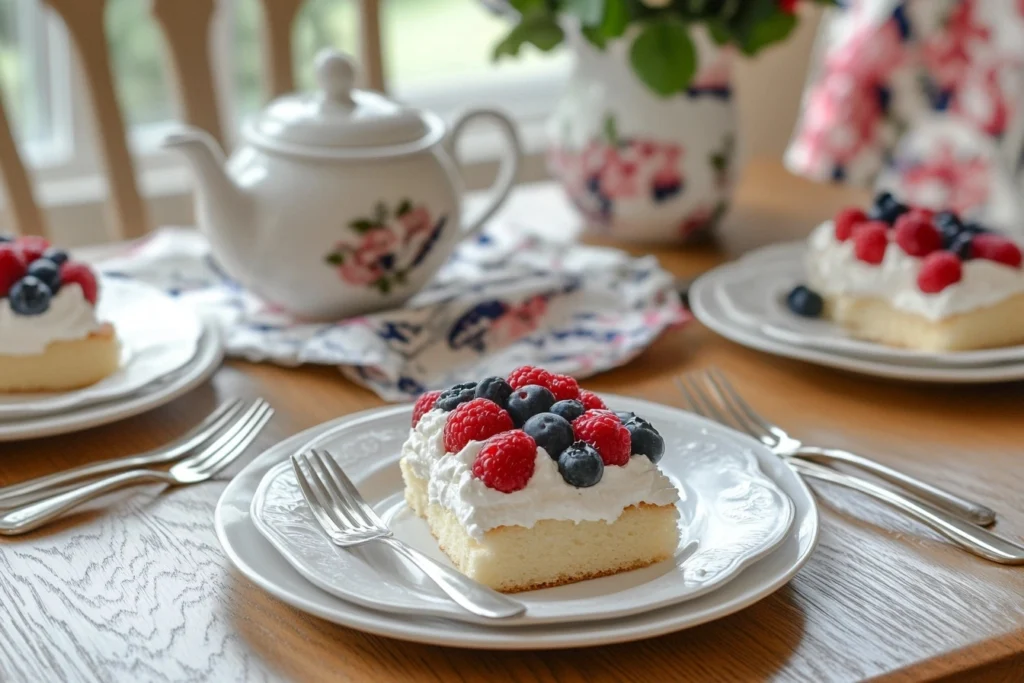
point(966, 535)
point(968, 510)
point(29, 517)
point(469, 594)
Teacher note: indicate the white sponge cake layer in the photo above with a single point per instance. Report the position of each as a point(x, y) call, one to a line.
point(64, 365)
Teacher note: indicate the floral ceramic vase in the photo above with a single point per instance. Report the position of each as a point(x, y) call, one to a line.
point(638, 167)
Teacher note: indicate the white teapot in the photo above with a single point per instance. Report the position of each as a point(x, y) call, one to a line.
point(338, 202)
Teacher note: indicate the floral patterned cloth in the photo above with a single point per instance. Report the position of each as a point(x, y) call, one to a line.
point(501, 301)
point(922, 97)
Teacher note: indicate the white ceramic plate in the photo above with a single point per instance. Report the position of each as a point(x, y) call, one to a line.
point(756, 296)
point(204, 363)
point(731, 514)
point(158, 336)
point(257, 559)
point(706, 304)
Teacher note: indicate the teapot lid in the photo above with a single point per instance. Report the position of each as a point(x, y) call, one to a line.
point(339, 121)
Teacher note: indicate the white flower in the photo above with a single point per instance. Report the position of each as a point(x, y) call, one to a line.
point(657, 4)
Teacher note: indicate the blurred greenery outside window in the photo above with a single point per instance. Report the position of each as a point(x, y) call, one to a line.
point(429, 46)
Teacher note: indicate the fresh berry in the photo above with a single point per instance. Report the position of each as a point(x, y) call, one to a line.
point(805, 302)
point(644, 439)
point(58, 256)
point(916, 235)
point(938, 271)
point(624, 415)
point(476, 420)
point(47, 271)
point(82, 275)
point(605, 432)
point(976, 228)
point(887, 209)
point(963, 246)
point(949, 225)
point(506, 461)
point(993, 247)
point(494, 389)
point(12, 267)
point(921, 213)
point(527, 401)
point(30, 296)
point(846, 220)
point(527, 374)
point(563, 387)
point(424, 404)
point(32, 246)
point(6, 238)
point(591, 401)
point(456, 395)
point(580, 465)
point(870, 240)
point(551, 432)
point(570, 410)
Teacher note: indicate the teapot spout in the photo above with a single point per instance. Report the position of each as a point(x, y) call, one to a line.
point(223, 210)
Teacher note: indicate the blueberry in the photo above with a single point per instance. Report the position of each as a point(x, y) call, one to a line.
point(525, 402)
point(453, 396)
point(47, 271)
point(494, 389)
point(58, 256)
point(887, 208)
point(961, 246)
point(949, 225)
point(804, 302)
point(975, 228)
point(580, 465)
point(551, 432)
point(30, 296)
point(569, 409)
point(624, 415)
point(645, 439)
point(6, 238)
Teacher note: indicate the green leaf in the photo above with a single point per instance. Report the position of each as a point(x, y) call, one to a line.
point(404, 207)
point(758, 23)
point(383, 284)
point(771, 30)
point(335, 259)
point(589, 12)
point(361, 225)
point(528, 6)
point(539, 29)
point(381, 213)
point(616, 18)
point(663, 56)
point(594, 36)
point(611, 131)
point(719, 31)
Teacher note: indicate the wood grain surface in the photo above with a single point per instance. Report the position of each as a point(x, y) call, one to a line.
point(137, 588)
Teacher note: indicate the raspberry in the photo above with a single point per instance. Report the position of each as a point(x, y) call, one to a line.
point(79, 273)
point(563, 387)
point(506, 461)
point(606, 433)
point(12, 267)
point(32, 246)
point(938, 271)
point(870, 240)
point(846, 220)
point(424, 404)
point(921, 214)
point(475, 420)
point(591, 401)
point(916, 234)
point(996, 248)
point(527, 374)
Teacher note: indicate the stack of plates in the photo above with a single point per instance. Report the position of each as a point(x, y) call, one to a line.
point(745, 301)
point(166, 351)
point(747, 521)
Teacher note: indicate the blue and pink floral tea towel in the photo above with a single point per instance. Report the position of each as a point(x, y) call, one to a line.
point(923, 97)
point(501, 301)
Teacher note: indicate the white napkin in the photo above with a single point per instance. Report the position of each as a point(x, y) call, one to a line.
point(501, 301)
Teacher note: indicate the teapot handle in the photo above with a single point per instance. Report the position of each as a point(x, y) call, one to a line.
point(507, 171)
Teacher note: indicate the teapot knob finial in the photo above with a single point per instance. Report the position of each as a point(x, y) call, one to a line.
point(336, 75)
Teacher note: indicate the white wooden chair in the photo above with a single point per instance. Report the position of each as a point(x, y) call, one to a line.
point(185, 26)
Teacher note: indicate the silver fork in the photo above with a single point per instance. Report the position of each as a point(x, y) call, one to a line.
point(348, 521)
point(220, 453)
point(969, 536)
point(781, 443)
point(17, 495)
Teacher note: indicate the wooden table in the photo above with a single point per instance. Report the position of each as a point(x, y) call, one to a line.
point(139, 589)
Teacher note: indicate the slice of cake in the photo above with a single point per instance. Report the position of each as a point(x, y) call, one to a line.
point(50, 337)
point(912, 278)
point(529, 482)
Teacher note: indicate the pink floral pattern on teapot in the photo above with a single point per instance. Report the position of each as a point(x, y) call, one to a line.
point(390, 244)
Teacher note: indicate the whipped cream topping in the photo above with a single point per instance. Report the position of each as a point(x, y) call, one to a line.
point(834, 270)
point(478, 508)
point(69, 317)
